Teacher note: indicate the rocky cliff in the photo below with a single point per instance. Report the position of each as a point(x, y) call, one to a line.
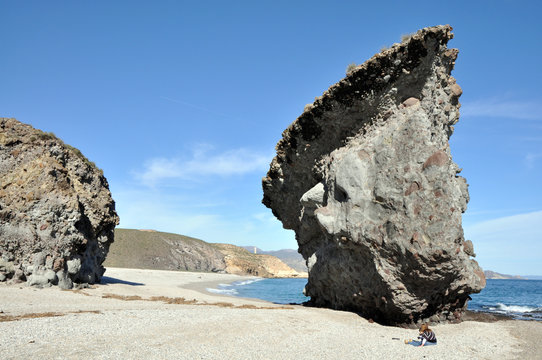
point(288, 256)
point(56, 212)
point(366, 179)
point(148, 249)
point(241, 262)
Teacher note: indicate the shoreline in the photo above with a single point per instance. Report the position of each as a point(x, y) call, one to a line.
point(202, 287)
point(163, 314)
point(468, 315)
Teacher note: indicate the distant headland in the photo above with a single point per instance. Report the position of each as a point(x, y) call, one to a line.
point(495, 275)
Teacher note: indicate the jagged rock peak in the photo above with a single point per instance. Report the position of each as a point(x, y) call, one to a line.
point(366, 180)
point(57, 217)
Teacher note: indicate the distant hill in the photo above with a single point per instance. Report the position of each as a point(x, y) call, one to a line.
point(240, 261)
point(289, 256)
point(494, 275)
point(149, 249)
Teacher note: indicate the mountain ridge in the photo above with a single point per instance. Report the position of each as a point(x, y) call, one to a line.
point(495, 275)
point(151, 249)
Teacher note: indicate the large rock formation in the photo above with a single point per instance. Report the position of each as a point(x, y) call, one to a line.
point(56, 212)
point(365, 178)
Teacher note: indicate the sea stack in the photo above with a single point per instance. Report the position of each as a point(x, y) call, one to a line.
point(366, 180)
point(57, 217)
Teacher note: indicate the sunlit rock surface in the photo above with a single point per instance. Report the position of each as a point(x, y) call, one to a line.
point(57, 216)
point(366, 179)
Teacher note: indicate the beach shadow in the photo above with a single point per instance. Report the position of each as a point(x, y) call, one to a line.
point(107, 280)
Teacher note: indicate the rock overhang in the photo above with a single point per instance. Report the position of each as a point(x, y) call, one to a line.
point(362, 164)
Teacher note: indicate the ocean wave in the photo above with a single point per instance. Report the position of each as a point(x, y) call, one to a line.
point(222, 291)
point(225, 285)
point(230, 289)
point(516, 308)
point(246, 282)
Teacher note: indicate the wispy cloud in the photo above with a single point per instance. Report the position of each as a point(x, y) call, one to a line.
point(203, 163)
point(180, 214)
point(513, 240)
point(515, 224)
point(525, 110)
point(216, 197)
point(141, 210)
point(265, 217)
point(531, 159)
point(493, 212)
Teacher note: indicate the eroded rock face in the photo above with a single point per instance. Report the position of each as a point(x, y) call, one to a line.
point(365, 178)
point(57, 216)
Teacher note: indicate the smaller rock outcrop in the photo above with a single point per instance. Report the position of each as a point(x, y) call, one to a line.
point(57, 216)
point(288, 256)
point(241, 262)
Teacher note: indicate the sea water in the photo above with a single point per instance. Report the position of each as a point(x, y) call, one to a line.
point(279, 291)
point(521, 299)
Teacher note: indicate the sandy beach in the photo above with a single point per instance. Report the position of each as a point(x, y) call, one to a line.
point(149, 314)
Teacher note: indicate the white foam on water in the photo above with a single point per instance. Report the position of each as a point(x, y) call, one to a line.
point(224, 285)
point(226, 289)
point(246, 282)
point(222, 291)
point(515, 308)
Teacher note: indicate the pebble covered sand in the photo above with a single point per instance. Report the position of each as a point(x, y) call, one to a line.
point(149, 314)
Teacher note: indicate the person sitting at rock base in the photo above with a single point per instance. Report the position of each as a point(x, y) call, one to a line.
point(427, 337)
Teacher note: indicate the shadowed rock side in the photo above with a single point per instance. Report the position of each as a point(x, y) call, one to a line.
point(57, 216)
point(365, 178)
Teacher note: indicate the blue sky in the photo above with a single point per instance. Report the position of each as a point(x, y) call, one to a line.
point(181, 103)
